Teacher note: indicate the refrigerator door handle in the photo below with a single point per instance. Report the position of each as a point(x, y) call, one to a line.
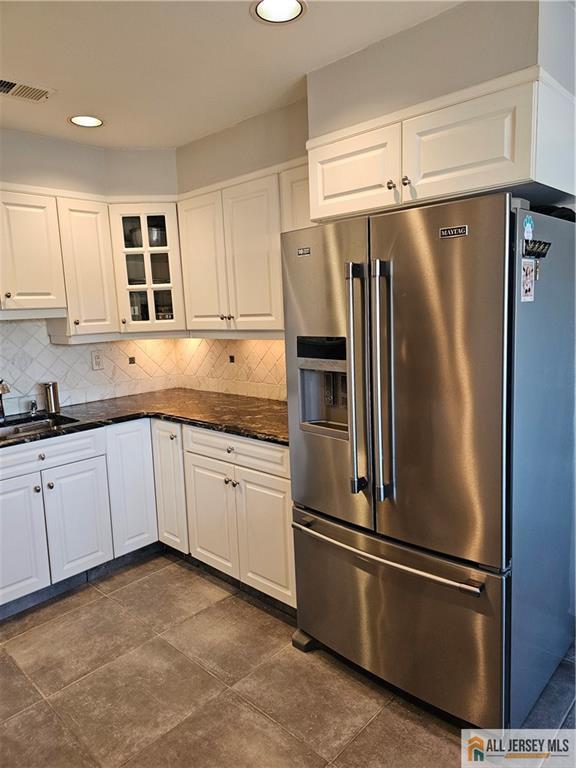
point(472, 587)
point(382, 412)
point(353, 271)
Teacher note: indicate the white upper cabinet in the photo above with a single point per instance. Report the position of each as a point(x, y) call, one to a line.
point(147, 267)
point(252, 238)
point(357, 173)
point(295, 199)
point(88, 267)
point(31, 273)
point(480, 143)
point(204, 262)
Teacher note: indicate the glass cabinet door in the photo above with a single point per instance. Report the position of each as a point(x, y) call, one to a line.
point(148, 268)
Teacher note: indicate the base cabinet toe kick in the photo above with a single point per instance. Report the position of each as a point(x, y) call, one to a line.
point(433, 628)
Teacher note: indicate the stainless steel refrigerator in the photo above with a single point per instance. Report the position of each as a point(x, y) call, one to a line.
point(430, 360)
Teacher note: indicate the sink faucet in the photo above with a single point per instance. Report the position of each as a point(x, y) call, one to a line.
point(4, 389)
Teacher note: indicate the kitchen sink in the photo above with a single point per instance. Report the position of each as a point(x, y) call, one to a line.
point(21, 426)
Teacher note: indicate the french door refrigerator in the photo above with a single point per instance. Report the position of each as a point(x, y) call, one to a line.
point(430, 363)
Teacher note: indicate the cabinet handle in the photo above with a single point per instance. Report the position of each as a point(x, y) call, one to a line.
point(230, 317)
point(8, 295)
point(406, 181)
point(37, 489)
point(390, 184)
point(230, 449)
point(227, 480)
point(222, 317)
point(41, 456)
point(76, 322)
point(235, 483)
point(51, 485)
point(123, 321)
point(172, 436)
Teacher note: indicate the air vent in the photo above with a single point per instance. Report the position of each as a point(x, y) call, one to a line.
point(22, 91)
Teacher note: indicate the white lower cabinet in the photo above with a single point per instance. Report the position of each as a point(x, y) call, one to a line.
point(212, 527)
point(23, 547)
point(131, 485)
point(169, 479)
point(265, 540)
point(77, 516)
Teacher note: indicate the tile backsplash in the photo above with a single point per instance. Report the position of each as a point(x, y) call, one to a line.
point(27, 357)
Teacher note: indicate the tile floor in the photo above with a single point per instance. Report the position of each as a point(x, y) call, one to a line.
point(161, 665)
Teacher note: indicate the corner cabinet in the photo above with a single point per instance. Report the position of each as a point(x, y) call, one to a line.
point(88, 267)
point(231, 258)
point(147, 267)
point(31, 272)
point(169, 480)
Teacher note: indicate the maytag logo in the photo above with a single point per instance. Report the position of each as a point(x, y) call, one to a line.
point(453, 231)
point(303, 251)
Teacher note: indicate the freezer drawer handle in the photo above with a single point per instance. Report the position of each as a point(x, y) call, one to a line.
point(357, 482)
point(473, 588)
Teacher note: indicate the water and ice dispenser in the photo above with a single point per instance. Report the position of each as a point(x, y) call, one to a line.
point(323, 385)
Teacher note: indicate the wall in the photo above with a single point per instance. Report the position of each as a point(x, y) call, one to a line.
point(27, 358)
point(466, 45)
point(259, 142)
point(556, 47)
point(28, 158)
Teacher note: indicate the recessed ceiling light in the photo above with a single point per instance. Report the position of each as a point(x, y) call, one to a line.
point(86, 121)
point(278, 11)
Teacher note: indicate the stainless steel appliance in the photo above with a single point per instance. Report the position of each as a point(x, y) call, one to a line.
point(430, 359)
point(51, 396)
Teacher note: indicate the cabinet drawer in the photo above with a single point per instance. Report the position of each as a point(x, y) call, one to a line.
point(43, 454)
point(246, 452)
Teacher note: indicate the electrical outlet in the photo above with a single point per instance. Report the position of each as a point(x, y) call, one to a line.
point(131, 361)
point(97, 362)
point(231, 358)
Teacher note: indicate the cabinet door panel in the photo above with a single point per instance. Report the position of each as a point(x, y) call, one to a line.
point(481, 143)
point(295, 199)
point(169, 481)
point(252, 236)
point(88, 267)
point(131, 485)
point(77, 516)
point(204, 262)
point(30, 256)
point(353, 175)
point(212, 512)
point(265, 534)
point(23, 546)
point(147, 267)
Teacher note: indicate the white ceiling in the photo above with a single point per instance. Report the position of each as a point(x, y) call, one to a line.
point(162, 74)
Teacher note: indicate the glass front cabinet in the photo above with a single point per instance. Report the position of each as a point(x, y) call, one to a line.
point(147, 267)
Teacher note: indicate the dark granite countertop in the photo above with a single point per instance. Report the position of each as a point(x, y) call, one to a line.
point(252, 417)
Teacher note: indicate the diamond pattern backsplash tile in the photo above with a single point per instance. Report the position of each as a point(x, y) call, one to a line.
point(27, 358)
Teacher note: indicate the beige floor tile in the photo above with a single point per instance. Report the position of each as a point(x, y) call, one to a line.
point(36, 738)
point(129, 703)
point(130, 573)
point(231, 638)
point(322, 701)
point(52, 609)
point(16, 691)
point(403, 736)
point(227, 733)
point(60, 652)
point(170, 595)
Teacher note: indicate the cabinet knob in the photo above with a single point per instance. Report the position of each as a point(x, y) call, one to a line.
point(390, 184)
point(51, 485)
point(41, 456)
point(227, 480)
point(230, 317)
point(406, 181)
point(37, 489)
point(76, 322)
point(230, 449)
point(222, 317)
point(172, 436)
point(8, 295)
point(235, 483)
point(123, 321)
